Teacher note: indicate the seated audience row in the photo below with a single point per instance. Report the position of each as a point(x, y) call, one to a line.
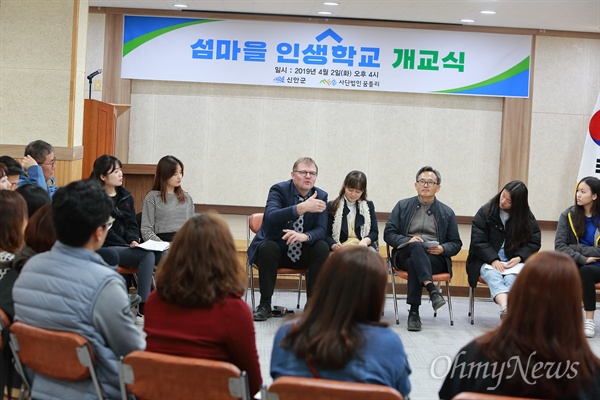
point(71, 288)
point(346, 308)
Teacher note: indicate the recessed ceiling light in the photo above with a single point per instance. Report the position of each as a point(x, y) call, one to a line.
point(467, 20)
point(180, 5)
point(324, 13)
point(490, 12)
point(331, 3)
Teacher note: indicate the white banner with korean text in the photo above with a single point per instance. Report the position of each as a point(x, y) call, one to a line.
point(326, 56)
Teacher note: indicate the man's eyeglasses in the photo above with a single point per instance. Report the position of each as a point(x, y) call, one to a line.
point(109, 223)
point(423, 182)
point(51, 163)
point(310, 174)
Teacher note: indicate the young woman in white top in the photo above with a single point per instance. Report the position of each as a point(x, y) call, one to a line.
point(351, 217)
point(167, 206)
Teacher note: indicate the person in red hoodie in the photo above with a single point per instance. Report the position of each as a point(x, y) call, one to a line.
point(197, 309)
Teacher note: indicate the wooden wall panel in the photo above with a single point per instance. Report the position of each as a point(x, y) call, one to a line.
point(67, 171)
point(116, 90)
point(516, 134)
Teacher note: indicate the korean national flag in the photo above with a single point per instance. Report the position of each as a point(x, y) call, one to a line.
point(590, 160)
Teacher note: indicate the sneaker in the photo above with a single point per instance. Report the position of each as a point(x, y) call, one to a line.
point(134, 300)
point(502, 314)
point(263, 312)
point(414, 322)
point(437, 300)
point(589, 328)
point(139, 319)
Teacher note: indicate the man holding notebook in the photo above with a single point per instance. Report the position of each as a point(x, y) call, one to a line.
point(424, 235)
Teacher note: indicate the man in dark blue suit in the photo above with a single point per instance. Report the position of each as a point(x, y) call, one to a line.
point(292, 232)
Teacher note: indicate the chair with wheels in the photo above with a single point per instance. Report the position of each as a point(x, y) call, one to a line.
point(253, 225)
point(295, 388)
point(437, 278)
point(60, 355)
point(180, 378)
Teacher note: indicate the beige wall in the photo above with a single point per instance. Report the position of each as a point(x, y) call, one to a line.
point(36, 45)
point(247, 137)
point(566, 87)
point(42, 75)
point(237, 140)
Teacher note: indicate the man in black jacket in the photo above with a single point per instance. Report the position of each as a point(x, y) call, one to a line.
point(424, 235)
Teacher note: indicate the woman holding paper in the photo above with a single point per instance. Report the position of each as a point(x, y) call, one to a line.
point(504, 234)
point(351, 217)
point(124, 234)
point(577, 235)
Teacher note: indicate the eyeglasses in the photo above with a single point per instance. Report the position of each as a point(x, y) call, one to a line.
point(310, 174)
point(51, 163)
point(423, 182)
point(109, 223)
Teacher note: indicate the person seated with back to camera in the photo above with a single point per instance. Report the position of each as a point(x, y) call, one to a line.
point(197, 310)
point(39, 237)
point(539, 350)
point(93, 298)
point(34, 196)
point(340, 335)
point(351, 217)
point(13, 220)
point(504, 234)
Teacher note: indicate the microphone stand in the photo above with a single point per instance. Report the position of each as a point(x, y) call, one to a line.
point(90, 81)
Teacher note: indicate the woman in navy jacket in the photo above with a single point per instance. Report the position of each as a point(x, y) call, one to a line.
point(124, 234)
point(351, 217)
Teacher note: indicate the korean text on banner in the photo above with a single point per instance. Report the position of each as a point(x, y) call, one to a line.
point(326, 56)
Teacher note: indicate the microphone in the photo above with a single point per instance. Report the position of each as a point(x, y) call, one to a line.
point(93, 74)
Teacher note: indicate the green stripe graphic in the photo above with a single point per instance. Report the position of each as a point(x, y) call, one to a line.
point(140, 40)
point(509, 73)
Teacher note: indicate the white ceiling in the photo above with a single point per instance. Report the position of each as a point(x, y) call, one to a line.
point(564, 15)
